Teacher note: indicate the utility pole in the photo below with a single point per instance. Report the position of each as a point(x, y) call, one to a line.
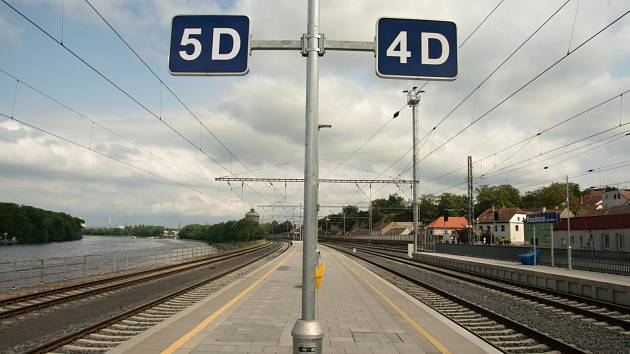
point(568, 226)
point(413, 100)
point(307, 332)
point(471, 212)
point(370, 217)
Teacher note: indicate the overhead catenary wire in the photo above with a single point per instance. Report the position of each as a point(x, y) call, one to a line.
point(171, 91)
point(530, 137)
point(113, 158)
point(604, 141)
point(405, 105)
point(119, 88)
point(522, 87)
point(483, 81)
point(98, 124)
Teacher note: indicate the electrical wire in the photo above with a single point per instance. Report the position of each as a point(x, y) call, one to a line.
point(514, 93)
point(129, 164)
point(403, 107)
point(92, 121)
point(119, 88)
point(177, 97)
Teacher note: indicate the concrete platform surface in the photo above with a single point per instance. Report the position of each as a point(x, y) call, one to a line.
point(360, 312)
point(601, 286)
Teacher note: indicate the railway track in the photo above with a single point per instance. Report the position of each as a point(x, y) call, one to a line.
point(23, 304)
point(105, 332)
point(481, 313)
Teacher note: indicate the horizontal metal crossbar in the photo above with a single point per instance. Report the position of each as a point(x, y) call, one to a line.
point(295, 44)
point(321, 180)
point(302, 206)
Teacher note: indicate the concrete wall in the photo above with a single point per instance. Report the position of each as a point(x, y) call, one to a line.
point(600, 290)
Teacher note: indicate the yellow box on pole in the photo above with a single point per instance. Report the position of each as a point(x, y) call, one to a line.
point(319, 274)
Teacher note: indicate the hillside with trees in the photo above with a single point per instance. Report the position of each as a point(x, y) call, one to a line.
point(231, 231)
point(33, 225)
point(135, 230)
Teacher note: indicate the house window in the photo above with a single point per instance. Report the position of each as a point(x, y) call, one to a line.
point(547, 239)
point(572, 240)
point(496, 228)
point(620, 242)
point(516, 227)
point(606, 241)
point(563, 242)
point(502, 227)
point(581, 240)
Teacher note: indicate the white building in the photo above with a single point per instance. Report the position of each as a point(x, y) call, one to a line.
point(497, 224)
point(613, 198)
point(597, 233)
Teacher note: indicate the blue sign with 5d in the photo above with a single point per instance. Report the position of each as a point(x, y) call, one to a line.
point(416, 49)
point(209, 45)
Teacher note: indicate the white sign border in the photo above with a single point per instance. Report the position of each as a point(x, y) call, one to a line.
point(402, 77)
point(241, 73)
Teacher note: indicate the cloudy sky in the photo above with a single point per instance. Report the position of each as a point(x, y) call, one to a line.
point(256, 122)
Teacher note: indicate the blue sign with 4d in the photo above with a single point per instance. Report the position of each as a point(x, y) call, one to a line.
point(209, 45)
point(416, 49)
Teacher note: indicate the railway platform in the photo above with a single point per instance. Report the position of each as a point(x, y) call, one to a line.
point(600, 286)
point(360, 312)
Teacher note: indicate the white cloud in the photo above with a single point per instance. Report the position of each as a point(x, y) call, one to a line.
point(260, 117)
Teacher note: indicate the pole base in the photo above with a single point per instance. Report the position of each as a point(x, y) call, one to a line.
point(307, 337)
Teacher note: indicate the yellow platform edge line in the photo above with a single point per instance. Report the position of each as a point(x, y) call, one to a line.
point(425, 333)
point(203, 324)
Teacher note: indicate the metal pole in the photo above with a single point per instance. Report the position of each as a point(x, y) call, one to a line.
point(307, 332)
point(568, 226)
point(553, 264)
point(413, 99)
point(344, 223)
point(534, 241)
point(370, 215)
point(413, 102)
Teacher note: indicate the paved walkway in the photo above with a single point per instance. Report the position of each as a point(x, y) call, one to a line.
point(360, 313)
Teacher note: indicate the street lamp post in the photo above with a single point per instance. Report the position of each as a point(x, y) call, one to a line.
point(307, 332)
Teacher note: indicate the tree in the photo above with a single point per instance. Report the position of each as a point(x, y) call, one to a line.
point(553, 196)
point(503, 195)
point(427, 209)
point(457, 204)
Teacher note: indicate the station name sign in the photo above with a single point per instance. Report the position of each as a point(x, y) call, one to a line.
point(543, 218)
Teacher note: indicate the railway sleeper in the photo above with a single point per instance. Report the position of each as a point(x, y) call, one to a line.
point(488, 332)
point(539, 348)
point(487, 322)
point(469, 317)
point(127, 328)
point(96, 343)
point(506, 337)
point(71, 349)
point(135, 324)
point(108, 337)
point(515, 343)
point(119, 332)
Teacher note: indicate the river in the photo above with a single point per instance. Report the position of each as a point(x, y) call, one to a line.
point(86, 246)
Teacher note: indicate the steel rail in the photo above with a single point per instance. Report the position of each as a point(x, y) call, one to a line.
point(491, 282)
point(543, 338)
point(156, 273)
point(56, 343)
